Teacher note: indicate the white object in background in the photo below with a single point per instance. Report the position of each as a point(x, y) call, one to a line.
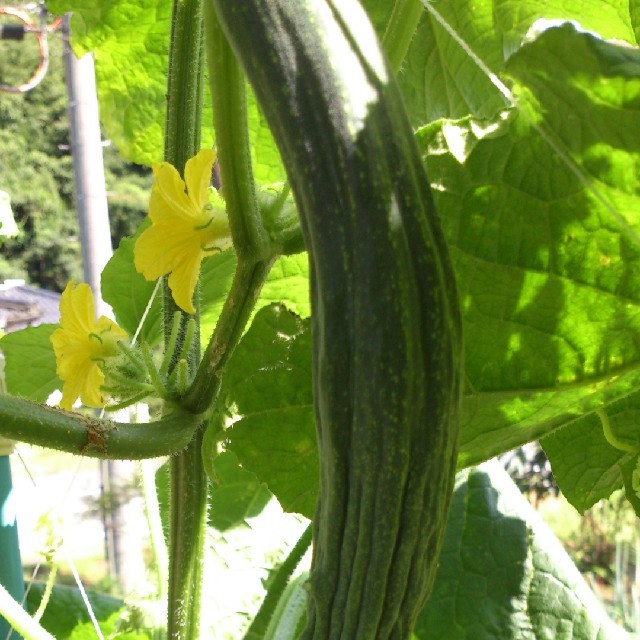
point(8, 225)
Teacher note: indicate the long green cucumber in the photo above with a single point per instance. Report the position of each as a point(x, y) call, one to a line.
point(387, 346)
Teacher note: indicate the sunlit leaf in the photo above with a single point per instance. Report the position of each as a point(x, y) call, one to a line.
point(30, 363)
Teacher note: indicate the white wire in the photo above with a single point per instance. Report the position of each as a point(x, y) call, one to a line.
point(72, 566)
point(83, 593)
point(146, 312)
point(556, 145)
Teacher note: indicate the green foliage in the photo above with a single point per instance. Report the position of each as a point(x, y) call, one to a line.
point(268, 385)
point(237, 494)
point(66, 616)
point(503, 574)
point(30, 368)
point(36, 170)
point(539, 202)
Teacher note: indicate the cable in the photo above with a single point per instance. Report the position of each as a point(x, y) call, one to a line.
point(17, 33)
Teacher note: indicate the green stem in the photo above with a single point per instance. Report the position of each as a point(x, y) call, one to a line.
point(246, 285)
point(229, 101)
point(400, 30)
point(260, 623)
point(88, 436)
point(187, 480)
point(185, 83)
point(611, 438)
point(188, 528)
point(48, 589)
point(20, 620)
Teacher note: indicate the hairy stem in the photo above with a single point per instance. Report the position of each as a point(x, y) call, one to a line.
point(228, 96)
point(20, 620)
point(246, 286)
point(88, 436)
point(187, 480)
point(400, 30)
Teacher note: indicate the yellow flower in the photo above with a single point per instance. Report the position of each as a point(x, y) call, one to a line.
point(185, 227)
point(81, 344)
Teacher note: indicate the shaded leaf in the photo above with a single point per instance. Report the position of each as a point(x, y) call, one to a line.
point(238, 494)
point(268, 386)
point(66, 616)
point(504, 574)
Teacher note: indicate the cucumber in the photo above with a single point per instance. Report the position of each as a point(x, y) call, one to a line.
point(387, 344)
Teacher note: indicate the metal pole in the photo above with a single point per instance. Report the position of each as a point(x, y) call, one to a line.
point(10, 563)
point(93, 220)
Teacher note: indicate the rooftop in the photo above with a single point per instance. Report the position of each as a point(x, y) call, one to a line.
point(22, 305)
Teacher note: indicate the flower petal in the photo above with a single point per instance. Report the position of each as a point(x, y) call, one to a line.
point(183, 279)
point(77, 313)
point(161, 248)
point(168, 198)
point(197, 175)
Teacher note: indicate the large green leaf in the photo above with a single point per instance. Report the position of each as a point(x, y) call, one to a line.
point(130, 40)
point(268, 386)
point(548, 276)
point(504, 574)
point(30, 367)
point(440, 79)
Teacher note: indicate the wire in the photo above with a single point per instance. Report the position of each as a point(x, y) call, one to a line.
point(41, 36)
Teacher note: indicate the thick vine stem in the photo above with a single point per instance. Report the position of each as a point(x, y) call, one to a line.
point(400, 30)
point(74, 433)
point(188, 482)
point(228, 95)
point(245, 288)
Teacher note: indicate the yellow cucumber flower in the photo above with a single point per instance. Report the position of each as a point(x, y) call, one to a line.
point(81, 345)
point(185, 227)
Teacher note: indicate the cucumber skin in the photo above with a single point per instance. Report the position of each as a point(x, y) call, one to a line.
point(387, 344)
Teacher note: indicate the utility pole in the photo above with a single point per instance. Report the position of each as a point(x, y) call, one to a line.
point(95, 237)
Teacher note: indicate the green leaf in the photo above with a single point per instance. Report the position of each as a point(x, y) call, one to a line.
point(131, 68)
point(128, 293)
point(66, 616)
point(131, 74)
point(30, 367)
point(238, 495)
point(440, 79)
point(504, 574)
point(268, 385)
point(585, 466)
point(265, 157)
point(548, 278)
point(288, 283)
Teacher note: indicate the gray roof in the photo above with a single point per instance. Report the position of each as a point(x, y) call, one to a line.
point(22, 305)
